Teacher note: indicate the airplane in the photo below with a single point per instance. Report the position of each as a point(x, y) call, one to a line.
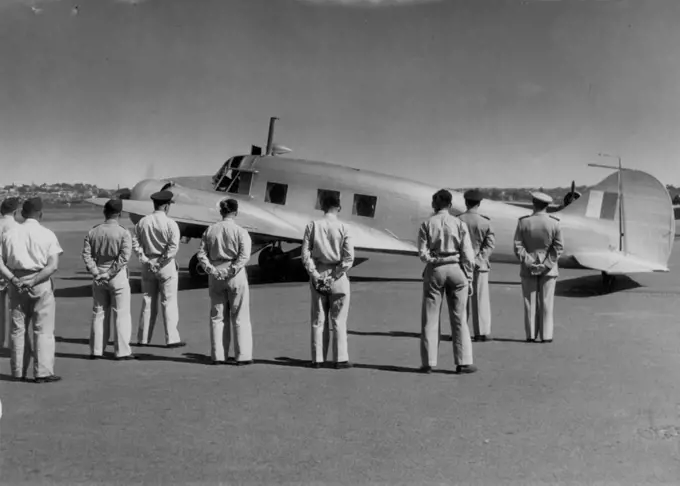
point(278, 196)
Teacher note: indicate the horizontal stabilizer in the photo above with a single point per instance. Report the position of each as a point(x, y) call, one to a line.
point(617, 263)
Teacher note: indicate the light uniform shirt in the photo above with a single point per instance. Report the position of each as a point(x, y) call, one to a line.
point(482, 237)
point(107, 246)
point(156, 235)
point(538, 238)
point(327, 241)
point(28, 246)
point(444, 238)
point(6, 222)
point(225, 242)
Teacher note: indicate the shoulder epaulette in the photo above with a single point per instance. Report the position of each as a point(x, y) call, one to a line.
point(485, 217)
point(554, 217)
point(524, 217)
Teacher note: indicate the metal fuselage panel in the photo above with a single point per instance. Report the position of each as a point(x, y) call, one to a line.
point(402, 205)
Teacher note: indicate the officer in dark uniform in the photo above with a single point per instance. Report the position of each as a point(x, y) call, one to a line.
point(538, 246)
point(483, 242)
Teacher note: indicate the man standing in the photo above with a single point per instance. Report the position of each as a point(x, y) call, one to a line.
point(538, 246)
point(444, 246)
point(224, 251)
point(483, 243)
point(106, 253)
point(8, 210)
point(155, 241)
point(29, 255)
point(327, 255)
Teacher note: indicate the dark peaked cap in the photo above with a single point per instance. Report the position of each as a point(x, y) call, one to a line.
point(473, 195)
point(113, 206)
point(229, 205)
point(9, 205)
point(32, 205)
point(162, 197)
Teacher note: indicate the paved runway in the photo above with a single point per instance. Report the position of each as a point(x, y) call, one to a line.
point(601, 404)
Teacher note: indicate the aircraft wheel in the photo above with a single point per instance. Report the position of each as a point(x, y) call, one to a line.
point(196, 270)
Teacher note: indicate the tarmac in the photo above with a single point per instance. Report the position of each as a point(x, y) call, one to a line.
point(599, 405)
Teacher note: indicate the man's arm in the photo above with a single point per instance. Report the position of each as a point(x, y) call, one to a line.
point(424, 245)
point(307, 259)
point(5, 272)
point(244, 248)
point(173, 244)
point(520, 252)
point(488, 244)
point(123, 255)
point(467, 252)
point(137, 247)
point(346, 255)
point(555, 250)
point(203, 251)
point(52, 264)
point(90, 264)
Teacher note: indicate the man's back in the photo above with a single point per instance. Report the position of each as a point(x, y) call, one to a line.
point(330, 240)
point(478, 225)
point(445, 233)
point(537, 231)
point(155, 232)
point(28, 246)
point(225, 240)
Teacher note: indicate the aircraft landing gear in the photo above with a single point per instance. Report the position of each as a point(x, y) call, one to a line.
point(274, 261)
point(607, 282)
point(196, 270)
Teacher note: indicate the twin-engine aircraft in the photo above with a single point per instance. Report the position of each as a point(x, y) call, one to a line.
point(278, 196)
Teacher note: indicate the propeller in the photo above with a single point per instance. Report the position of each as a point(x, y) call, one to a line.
point(572, 195)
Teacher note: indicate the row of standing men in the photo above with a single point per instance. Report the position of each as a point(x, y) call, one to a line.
point(456, 252)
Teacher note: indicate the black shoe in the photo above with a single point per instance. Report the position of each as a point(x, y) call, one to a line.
point(176, 345)
point(464, 369)
point(426, 369)
point(531, 340)
point(94, 356)
point(486, 338)
point(19, 378)
point(244, 363)
point(216, 363)
point(126, 358)
point(141, 345)
point(547, 340)
point(342, 365)
point(315, 365)
point(47, 379)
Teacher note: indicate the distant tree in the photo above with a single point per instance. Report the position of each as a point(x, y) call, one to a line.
point(676, 199)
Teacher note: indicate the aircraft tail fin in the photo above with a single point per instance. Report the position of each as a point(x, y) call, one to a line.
point(648, 216)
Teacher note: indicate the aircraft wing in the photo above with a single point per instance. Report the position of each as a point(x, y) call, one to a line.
point(276, 224)
point(616, 262)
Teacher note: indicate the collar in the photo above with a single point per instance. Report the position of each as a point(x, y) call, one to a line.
point(443, 211)
point(32, 221)
point(330, 216)
point(159, 211)
point(7, 216)
point(473, 210)
point(111, 221)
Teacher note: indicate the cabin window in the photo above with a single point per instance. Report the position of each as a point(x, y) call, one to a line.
point(321, 195)
point(276, 193)
point(241, 182)
point(364, 205)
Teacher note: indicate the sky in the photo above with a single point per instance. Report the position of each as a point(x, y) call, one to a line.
point(457, 93)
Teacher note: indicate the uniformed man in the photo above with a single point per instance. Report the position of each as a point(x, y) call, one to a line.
point(483, 243)
point(538, 246)
point(327, 255)
point(8, 210)
point(224, 252)
point(106, 252)
point(444, 246)
point(29, 255)
point(155, 240)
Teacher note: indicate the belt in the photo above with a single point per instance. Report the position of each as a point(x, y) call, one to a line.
point(19, 272)
point(221, 261)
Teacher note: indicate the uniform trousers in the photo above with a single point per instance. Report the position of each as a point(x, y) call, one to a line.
point(539, 295)
point(230, 307)
point(163, 286)
point(329, 315)
point(438, 280)
point(4, 317)
point(32, 328)
point(479, 304)
point(111, 303)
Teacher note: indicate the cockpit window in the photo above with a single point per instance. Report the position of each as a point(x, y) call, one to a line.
point(229, 178)
point(276, 193)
